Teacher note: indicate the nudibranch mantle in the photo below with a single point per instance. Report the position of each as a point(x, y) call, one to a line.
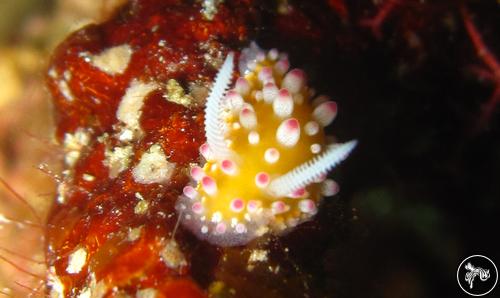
point(266, 154)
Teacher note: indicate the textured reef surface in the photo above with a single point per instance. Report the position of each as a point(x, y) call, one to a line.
point(130, 99)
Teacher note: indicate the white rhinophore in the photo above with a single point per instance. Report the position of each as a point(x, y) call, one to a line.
point(214, 125)
point(306, 173)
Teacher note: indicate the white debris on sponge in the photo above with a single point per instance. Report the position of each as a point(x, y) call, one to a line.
point(173, 256)
point(141, 207)
point(153, 167)
point(54, 284)
point(130, 108)
point(88, 177)
point(85, 293)
point(73, 144)
point(146, 293)
point(65, 90)
point(257, 256)
point(62, 190)
point(210, 8)
point(117, 160)
point(134, 233)
point(114, 60)
point(76, 261)
point(93, 289)
point(62, 84)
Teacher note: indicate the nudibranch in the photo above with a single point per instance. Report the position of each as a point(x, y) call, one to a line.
point(266, 154)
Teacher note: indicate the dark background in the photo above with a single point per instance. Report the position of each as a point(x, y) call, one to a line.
point(421, 192)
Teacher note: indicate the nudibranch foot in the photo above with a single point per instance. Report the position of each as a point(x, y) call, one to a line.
point(266, 155)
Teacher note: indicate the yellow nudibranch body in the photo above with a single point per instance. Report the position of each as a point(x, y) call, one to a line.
point(266, 155)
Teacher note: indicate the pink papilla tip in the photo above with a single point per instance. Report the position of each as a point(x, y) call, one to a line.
point(292, 124)
point(209, 185)
point(299, 193)
point(247, 118)
point(253, 205)
point(282, 66)
point(271, 155)
point(307, 206)
point(266, 74)
point(190, 192)
point(228, 167)
point(197, 208)
point(283, 104)
point(220, 228)
point(320, 178)
point(273, 54)
point(261, 56)
point(197, 173)
point(262, 179)
point(205, 151)
point(242, 86)
point(325, 113)
point(320, 99)
point(237, 205)
point(294, 80)
point(329, 188)
point(240, 228)
point(234, 100)
point(246, 105)
point(288, 133)
point(279, 207)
